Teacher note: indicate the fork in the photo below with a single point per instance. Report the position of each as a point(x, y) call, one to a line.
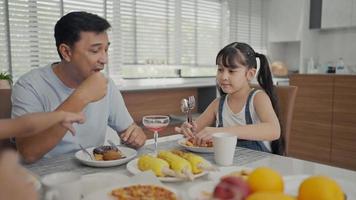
point(112, 144)
point(87, 152)
point(191, 105)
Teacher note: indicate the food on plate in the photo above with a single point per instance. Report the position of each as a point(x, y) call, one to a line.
point(241, 173)
point(198, 163)
point(143, 192)
point(107, 153)
point(264, 179)
point(232, 187)
point(178, 164)
point(191, 143)
point(320, 188)
point(270, 196)
point(159, 166)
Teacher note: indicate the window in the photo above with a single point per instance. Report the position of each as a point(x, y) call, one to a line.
point(165, 32)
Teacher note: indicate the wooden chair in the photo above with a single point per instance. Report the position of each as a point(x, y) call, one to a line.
point(5, 112)
point(286, 99)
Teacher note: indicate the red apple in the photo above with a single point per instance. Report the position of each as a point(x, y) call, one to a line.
point(239, 185)
point(223, 191)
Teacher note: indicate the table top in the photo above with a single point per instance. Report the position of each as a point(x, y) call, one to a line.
point(243, 157)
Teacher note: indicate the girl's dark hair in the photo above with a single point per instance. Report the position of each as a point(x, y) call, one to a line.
point(246, 56)
point(67, 29)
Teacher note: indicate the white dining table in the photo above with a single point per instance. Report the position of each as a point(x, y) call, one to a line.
point(246, 158)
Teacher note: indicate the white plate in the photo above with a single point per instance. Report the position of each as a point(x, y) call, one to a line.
point(85, 159)
point(195, 149)
point(105, 194)
point(133, 168)
point(291, 186)
point(99, 181)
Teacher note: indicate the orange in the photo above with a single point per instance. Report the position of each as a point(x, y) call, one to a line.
point(320, 188)
point(269, 196)
point(265, 179)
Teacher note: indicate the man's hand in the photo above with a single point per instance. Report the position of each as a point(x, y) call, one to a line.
point(14, 179)
point(70, 118)
point(133, 136)
point(93, 88)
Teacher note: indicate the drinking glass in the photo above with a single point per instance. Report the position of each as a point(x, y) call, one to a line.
point(155, 123)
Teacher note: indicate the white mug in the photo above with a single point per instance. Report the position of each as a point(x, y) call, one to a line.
point(62, 185)
point(224, 148)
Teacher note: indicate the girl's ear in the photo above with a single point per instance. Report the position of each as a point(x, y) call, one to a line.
point(250, 74)
point(65, 51)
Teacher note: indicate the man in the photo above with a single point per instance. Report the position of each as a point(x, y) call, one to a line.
point(75, 84)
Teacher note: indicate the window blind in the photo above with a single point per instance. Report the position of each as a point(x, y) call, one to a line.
point(247, 23)
point(4, 64)
point(174, 32)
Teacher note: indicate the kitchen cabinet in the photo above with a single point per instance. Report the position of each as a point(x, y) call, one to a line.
point(310, 137)
point(343, 146)
point(285, 24)
point(324, 119)
point(156, 102)
point(165, 102)
point(336, 14)
point(353, 14)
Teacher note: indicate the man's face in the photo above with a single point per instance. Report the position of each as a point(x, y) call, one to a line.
point(90, 53)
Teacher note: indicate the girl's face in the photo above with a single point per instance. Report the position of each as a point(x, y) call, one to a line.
point(231, 80)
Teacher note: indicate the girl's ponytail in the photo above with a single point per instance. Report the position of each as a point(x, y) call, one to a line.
point(264, 79)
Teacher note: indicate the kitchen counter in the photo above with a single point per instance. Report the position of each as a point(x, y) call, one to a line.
point(164, 83)
point(171, 83)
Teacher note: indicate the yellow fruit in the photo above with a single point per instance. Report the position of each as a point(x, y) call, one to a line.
point(265, 179)
point(320, 188)
point(270, 196)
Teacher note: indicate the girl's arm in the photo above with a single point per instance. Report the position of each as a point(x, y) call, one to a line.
point(268, 129)
point(31, 124)
point(207, 118)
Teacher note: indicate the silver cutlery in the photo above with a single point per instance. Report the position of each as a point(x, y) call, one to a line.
point(191, 105)
point(185, 108)
point(87, 152)
point(112, 144)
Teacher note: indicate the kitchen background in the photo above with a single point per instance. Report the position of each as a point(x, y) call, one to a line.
point(179, 38)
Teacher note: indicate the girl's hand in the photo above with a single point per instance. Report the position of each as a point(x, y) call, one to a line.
point(187, 129)
point(205, 135)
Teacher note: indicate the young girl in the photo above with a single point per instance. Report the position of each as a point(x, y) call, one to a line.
point(240, 110)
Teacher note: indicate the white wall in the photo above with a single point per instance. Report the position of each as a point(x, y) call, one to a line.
point(323, 45)
point(337, 43)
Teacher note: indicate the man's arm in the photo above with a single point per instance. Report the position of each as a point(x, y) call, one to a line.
point(133, 136)
point(31, 124)
point(34, 147)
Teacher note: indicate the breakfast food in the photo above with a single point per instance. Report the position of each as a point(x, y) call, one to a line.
point(107, 153)
point(197, 162)
point(241, 173)
point(143, 192)
point(178, 164)
point(265, 179)
point(191, 143)
point(159, 166)
point(232, 187)
point(320, 188)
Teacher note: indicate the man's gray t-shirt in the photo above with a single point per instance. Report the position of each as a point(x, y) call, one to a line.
point(40, 90)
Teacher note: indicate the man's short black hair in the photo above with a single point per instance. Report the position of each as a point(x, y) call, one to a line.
point(67, 29)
